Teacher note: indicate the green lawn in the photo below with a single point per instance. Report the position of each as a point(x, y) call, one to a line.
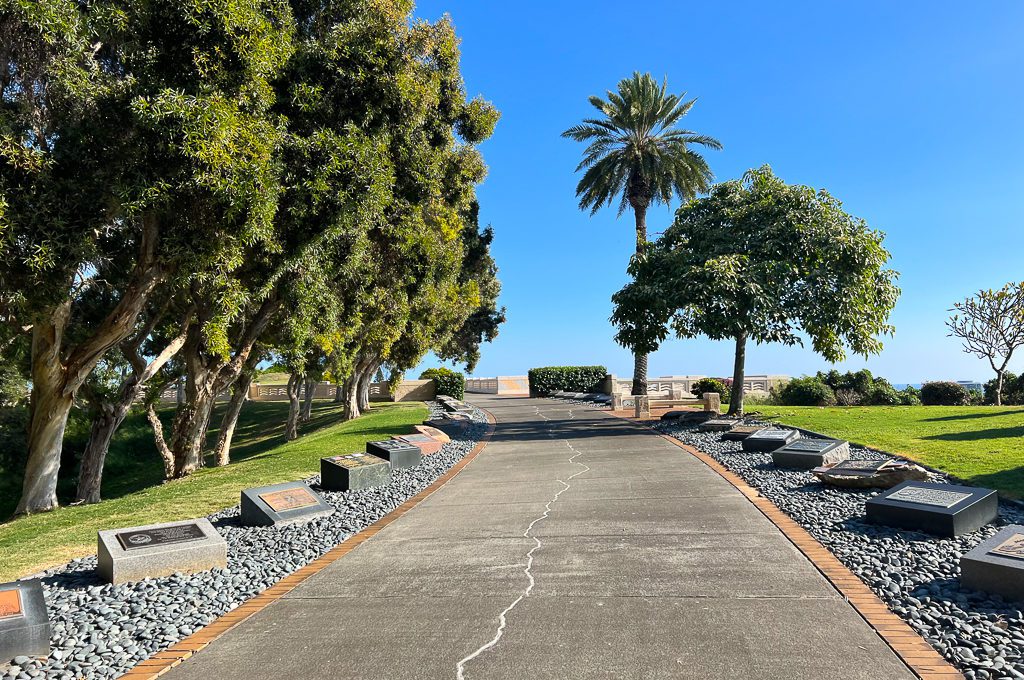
point(983, 445)
point(136, 495)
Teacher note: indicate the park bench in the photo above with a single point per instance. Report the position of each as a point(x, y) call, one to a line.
point(710, 401)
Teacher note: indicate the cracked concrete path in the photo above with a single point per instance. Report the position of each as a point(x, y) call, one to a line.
point(575, 546)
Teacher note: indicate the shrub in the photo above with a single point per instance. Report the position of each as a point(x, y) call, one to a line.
point(1013, 390)
point(944, 393)
point(711, 385)
point(848, 397)
point(806, 391)
point(883, 394)
point(910, 396)
point(446, 381)
point(548, 379)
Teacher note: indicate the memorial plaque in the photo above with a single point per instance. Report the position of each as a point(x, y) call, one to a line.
point(766, 440)
point(928, 496)
point(1011, 547)
point(10, 603)
point(806, 454)
point(943, 509)
point(433, 432)
point(181, 533)
point(996, 565)
point(858, 468)
point(282, 504)
point(428, 446)
point(24, 622)
point(717, 425)
point(400, 454)
point(740, 432)
point(135, 553)
point(353, 472)
point(289, 499)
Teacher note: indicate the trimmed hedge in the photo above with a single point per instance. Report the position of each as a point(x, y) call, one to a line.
point(446, 381)
point(548, 379)
point(944, 393)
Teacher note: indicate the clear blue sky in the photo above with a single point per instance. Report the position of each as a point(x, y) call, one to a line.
point(910, 112)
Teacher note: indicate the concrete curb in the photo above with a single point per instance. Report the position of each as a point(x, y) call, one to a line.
point(919, 656)
point(163, 661)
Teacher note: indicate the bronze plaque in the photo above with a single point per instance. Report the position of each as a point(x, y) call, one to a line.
point(10, 603)
point(772, 434)
point(356, 460)
point(746, 429)
point(289, 499)
point(927, 496)
point(144, 538)
point(858, 468)
point(812, 445)
point(1011, 547)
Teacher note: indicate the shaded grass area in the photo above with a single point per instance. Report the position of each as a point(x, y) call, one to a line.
point(135, 493)
point(983, 445)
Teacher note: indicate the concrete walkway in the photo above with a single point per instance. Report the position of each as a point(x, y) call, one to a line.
point(575, 546)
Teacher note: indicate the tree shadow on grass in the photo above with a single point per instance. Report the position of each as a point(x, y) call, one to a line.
point(1009, 482)
point(972, 416)
point(978, 435)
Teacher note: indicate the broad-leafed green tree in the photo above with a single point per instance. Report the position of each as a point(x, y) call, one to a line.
point(758, 259)
point(637, 155)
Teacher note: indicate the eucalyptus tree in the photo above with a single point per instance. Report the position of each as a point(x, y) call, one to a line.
point(637, 155)
point(134, 138)
point(762, 260)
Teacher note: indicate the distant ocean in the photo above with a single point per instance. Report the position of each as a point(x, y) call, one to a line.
point(903, 386)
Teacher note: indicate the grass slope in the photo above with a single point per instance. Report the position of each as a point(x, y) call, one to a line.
point(980, 444)
point(135, 494)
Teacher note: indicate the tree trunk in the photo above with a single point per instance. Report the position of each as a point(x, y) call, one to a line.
point(222, 454)
point(999, 388)
point(640, 360)
point(166, 455)
point(738, 376)
point(339, 394)
point(364, 388)
point(351, 397)
point(90, 473)
point(291, 430)
point(307, 399)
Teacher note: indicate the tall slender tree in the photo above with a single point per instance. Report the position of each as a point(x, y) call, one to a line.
point(636, 152)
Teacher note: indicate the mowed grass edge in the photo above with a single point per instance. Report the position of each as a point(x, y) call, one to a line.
point(30, 544)
point(983, 445)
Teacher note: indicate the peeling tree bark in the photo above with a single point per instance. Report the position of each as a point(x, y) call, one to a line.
point(291, 430)
point(166, 455)
point(309, 385)
point(239, 395)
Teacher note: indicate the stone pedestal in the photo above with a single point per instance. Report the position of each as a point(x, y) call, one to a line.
point(805, 454)
point(942, 509)
point(428, 446)
point(740, 432)
point(285, 503)
point(353, 472)
point(768, 440)
point(399, 454)
point(433, 432)
point(24, 622)
point(717, 425)
point(154, 550)
point(996, 565)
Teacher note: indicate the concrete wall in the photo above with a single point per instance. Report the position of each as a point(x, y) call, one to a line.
point(503, 384)
point(409, 390)
point(679, 386)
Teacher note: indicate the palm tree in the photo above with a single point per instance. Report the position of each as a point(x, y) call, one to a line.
point(635, 152)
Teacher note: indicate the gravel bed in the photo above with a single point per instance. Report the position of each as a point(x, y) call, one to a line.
point(102, 630)
point(915, 574)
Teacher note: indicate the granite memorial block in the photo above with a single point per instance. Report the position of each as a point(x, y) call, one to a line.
point(811, 453)
point(942, 509)
point(740, 432)
point(279, 504)
point(996, 565)
point(154, 550)
point(24, 622)
point(432, 432)
point(399, 454)
point(428, 446)
point(717, 425)
point(354, 472)
point(768, 440)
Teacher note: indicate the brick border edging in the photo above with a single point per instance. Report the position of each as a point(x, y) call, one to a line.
point(165, 660)
point(919, 656)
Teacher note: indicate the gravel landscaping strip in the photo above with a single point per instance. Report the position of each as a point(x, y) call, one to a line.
point(915, 574)
point(102, 630)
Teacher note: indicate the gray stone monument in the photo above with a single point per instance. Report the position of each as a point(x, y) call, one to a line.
point(24, 622)
point(996, 565)
point(400, 454)
point(768, 439)
point(740, 432)
point(285, 503)
point(136, 553)
point(943, 509)
point(354, 472)
point(717, 425)
point(805, 454)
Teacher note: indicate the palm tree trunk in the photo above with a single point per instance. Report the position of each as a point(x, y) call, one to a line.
point(640, 358)
point(738, 376)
